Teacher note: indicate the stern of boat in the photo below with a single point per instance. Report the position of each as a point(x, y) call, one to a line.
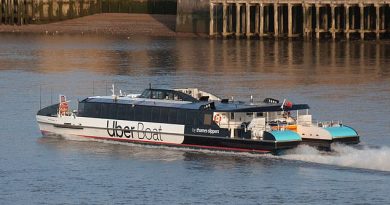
point(324, 136)
point(283, 139)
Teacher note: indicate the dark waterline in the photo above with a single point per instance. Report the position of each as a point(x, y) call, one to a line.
point(347, 81)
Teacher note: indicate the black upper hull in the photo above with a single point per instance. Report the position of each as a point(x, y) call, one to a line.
point(327, 144)
point(240, 144)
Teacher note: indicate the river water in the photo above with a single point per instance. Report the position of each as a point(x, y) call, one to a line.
point(342, 81)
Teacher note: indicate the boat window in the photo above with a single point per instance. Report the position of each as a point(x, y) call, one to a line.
point(138, 113)
point(190, 118)
point(145, 94)
point(130, 112)
point(95, 109)
point(104, 110)
point(232, 115)
point(49, 111)
point(177, 97)
point(249, 114)
point(121, 112)
point(108, 110)
point(181, 116)
point(172, 116)
point(91, 109)
point(170, 96)
point(155, 114)
point(147, 115)
point(80, 109)
point(204, 98)
point(159, 95)
point(259, 114)
point(207, 119)
point(198, 119)
point(164, 115)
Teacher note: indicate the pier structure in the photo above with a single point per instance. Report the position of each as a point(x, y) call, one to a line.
point(300, 18)
point(20, 12)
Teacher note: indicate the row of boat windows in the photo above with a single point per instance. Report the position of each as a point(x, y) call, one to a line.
point(166, 95)
point(145, 114)
point(161, 95)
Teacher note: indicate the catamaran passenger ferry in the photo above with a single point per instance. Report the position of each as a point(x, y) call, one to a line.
point(192, 118)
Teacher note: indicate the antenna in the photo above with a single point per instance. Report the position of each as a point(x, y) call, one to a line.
point(93, 88)
point(113, 90)
point(150, 88)
point(106, 87)
point(40, 96)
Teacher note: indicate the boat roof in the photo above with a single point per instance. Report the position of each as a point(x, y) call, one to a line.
point(192, 103)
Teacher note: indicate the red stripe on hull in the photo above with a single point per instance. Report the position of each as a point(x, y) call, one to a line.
point(172, 144)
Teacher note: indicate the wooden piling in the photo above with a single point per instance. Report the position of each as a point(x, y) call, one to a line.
point(243, 19)
point(12, 11)
point(230, 11)
point(257, 18)
point(317, 21)
point(51, 10)
point(1, 12)
point(224, 19)
point(19, 10)
point(325, 18)
point(6, 11)
point(261, 31)
point(290, 21)
point(211, 31)
point(383, 19)
point(248, 20)
point(346, 21)
point(304, 25)
point(361, 6)
point(338, 14)
point(333, 28)
point(310, 20)
point(266, 19)
point(276, 20)
point(238, 14)
point(33, 10)
point(377, 21)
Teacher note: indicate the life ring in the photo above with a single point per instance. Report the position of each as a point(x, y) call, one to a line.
point(64, 107)
point(217, 118)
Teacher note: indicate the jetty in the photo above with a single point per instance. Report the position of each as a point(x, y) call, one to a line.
point(335, 19)
point(294, 18)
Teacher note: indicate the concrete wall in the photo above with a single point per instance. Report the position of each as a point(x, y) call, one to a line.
point(139, 6)
point(193, 16)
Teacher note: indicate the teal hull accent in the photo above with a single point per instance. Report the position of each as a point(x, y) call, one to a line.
point(286, 135)
point(339, 132)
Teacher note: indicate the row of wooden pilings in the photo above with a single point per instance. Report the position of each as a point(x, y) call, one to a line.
point(19, 12)
point(293, 18)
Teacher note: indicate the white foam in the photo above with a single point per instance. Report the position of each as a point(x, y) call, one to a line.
point(185, 149)
point(76, 138)
point(342, 155)
point(346, 156)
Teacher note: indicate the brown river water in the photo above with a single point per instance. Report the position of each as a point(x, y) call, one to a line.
point(348, 81)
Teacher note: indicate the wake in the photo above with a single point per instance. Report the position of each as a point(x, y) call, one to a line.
point(345, 156)
point(342, 155)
